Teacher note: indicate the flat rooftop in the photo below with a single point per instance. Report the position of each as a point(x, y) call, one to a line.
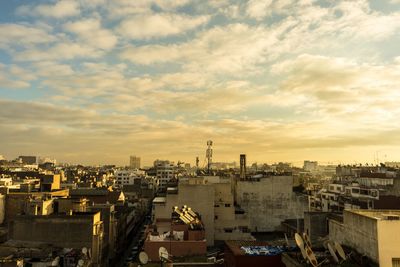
point(159, 200)
point(378, 214)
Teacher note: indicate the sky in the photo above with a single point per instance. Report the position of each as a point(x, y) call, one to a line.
point(94, 81)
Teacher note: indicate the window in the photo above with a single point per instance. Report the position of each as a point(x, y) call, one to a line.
point(228, 230)
point(216, 217)
point(227, 205)
point(395, 262)
point(355, 191)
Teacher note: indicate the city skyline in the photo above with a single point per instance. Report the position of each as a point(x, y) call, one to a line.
point(94, 81)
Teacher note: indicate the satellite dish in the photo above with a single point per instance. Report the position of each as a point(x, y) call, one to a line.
point(306, 240)
point(311, 257)
point(84, 251)
point(80, 263)
point(303, 253)
point(332, 251)
point(56, 261)
point(340, 251)
point(163, 253)
point(299, 240)
point(143, 257)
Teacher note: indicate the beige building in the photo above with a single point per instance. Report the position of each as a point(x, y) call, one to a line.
point(374, 233)
point(212, 197)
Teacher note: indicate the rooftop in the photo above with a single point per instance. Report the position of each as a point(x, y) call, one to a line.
point(378, 214)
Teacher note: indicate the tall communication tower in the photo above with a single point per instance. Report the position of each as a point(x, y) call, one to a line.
point(209, 155)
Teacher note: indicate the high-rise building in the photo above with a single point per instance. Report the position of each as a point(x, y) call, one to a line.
point(164, 172)
point(310, 165)
point(134, 162)
point(242, 166)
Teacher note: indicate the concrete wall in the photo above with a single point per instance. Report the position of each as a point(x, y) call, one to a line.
point(270, 201)
point(316, 225)
point(2, 208)
point(358, 232)
point(388, 241)
point(227, 225)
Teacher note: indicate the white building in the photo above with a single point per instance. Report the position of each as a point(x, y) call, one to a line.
point(164, 172)
point(127, 177)
point(134, 162)
point(310, 165)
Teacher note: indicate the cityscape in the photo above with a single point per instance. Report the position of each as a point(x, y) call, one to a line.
point(221, 133)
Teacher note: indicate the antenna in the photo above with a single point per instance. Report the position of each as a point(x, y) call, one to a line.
point(340, 251)
point(286, 240)
point(143, 258)
point(332, 251)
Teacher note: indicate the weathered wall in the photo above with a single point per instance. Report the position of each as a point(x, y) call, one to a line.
point(357, 231)
point(315, 225)
point(270, 201)
point(57, 231)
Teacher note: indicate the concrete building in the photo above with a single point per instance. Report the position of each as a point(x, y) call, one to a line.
point(164, 172)
point(212, 197)
point(15, 203)
point(134, 162)
point(310, 166)
point(77, 231)
point(107, 212)
point(268, 200)
point(374, 233)
point(127, 177)
point(50, 182)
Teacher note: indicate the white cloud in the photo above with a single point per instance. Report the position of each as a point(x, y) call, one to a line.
point(218, 50)
point(61, 9)
point(258, 8)
point(90, 31)
point(12, 35)
point(60, 51)
point(159, 25)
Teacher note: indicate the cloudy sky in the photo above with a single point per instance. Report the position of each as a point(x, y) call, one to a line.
point(94, 81)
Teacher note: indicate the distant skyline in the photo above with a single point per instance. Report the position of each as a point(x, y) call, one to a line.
point(95, 81)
